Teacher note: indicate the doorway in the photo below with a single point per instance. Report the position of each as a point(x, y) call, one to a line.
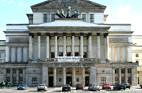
point(69, 80)
point(50, 83)
point(86, 80)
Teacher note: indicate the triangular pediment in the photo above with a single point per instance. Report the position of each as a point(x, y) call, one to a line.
point(82, 5)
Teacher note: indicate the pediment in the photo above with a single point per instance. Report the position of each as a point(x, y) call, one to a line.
point(80, 5)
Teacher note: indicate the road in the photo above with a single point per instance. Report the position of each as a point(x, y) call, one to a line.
point(58, 90)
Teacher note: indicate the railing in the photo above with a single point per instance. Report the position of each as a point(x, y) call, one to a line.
point(66, 59)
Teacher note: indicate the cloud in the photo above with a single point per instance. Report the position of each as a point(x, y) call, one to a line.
point(126, 14)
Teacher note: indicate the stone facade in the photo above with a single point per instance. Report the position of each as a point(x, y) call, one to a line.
point(58, 51)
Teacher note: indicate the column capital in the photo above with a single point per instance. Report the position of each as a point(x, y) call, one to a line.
point(98, 34)
point(105, 35)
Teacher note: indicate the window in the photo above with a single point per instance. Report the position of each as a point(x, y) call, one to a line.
point(60, 53)
point(44, 18)
point(103, 80)
point(129, 70)
point(8, 71)
point(116, 71)
point(85, 55)
point(52, 17)
point(52, 55)
point(77, 79)
point(84, 17)
point(137, 55)
point(34, 80)
point(68, 53)
point(91, 18)
point(123, 71)
point(137, 62)
point(60, 79)
point(76, 53)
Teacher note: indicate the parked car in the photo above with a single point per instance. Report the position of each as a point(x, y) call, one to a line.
point(21, 87)
point(93, 87)
point(119, 87)
point(107, 86)
point(41, 87)
point(141, 86)
point(66, 88)
point(79, 87)
point(127, 85)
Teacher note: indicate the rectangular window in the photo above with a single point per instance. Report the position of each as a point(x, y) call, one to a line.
point(60, 53)
point(44, 18)
point(52, 55)
point(103, 80)
point(91, 18)
point(137, 55)
point(84, 17)
point(34, 80)
point(52, 17)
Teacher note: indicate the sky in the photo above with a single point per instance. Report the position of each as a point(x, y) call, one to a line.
point(119, 11)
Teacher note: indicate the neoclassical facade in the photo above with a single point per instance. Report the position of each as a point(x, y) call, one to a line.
point(68, 42)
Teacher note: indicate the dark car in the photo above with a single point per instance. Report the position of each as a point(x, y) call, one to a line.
point(93, 87)
point(141, 86)
point(127, 85)
point(66, 88)
point(21, 87)
point(107, 87)
point(119, 87)
point(79, 87)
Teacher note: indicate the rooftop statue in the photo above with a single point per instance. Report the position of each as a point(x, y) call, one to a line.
point(69, 13)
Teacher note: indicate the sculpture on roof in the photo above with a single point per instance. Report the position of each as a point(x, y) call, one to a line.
point(69, 13)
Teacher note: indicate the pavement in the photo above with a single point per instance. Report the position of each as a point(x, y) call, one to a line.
point(134, 89)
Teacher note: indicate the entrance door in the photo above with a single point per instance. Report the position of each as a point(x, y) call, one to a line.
point(69, 80)
point(86, 80)
point(50, 83)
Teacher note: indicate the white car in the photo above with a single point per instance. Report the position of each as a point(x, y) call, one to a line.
point(41, 87)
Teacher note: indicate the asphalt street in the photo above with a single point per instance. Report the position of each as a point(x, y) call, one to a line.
point(59, 90)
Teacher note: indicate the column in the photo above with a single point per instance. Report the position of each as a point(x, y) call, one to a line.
point(106, 45)
point(39, 44)
point(126, 75)
point(7, 53)
point(83, 76)
point(98, 45)
point(54, 77)
point(45, 74)
point(56, 47)
point(17, 76)
point(134, 76)
point(73, 77)
point(113, 76)
point(30, 45)
point(47, 45)
point(64, 76)
point(129, 50)
point(73, 37)
point(120, 75)
point(90, 45)
point(81, 45)
point(64, 34)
